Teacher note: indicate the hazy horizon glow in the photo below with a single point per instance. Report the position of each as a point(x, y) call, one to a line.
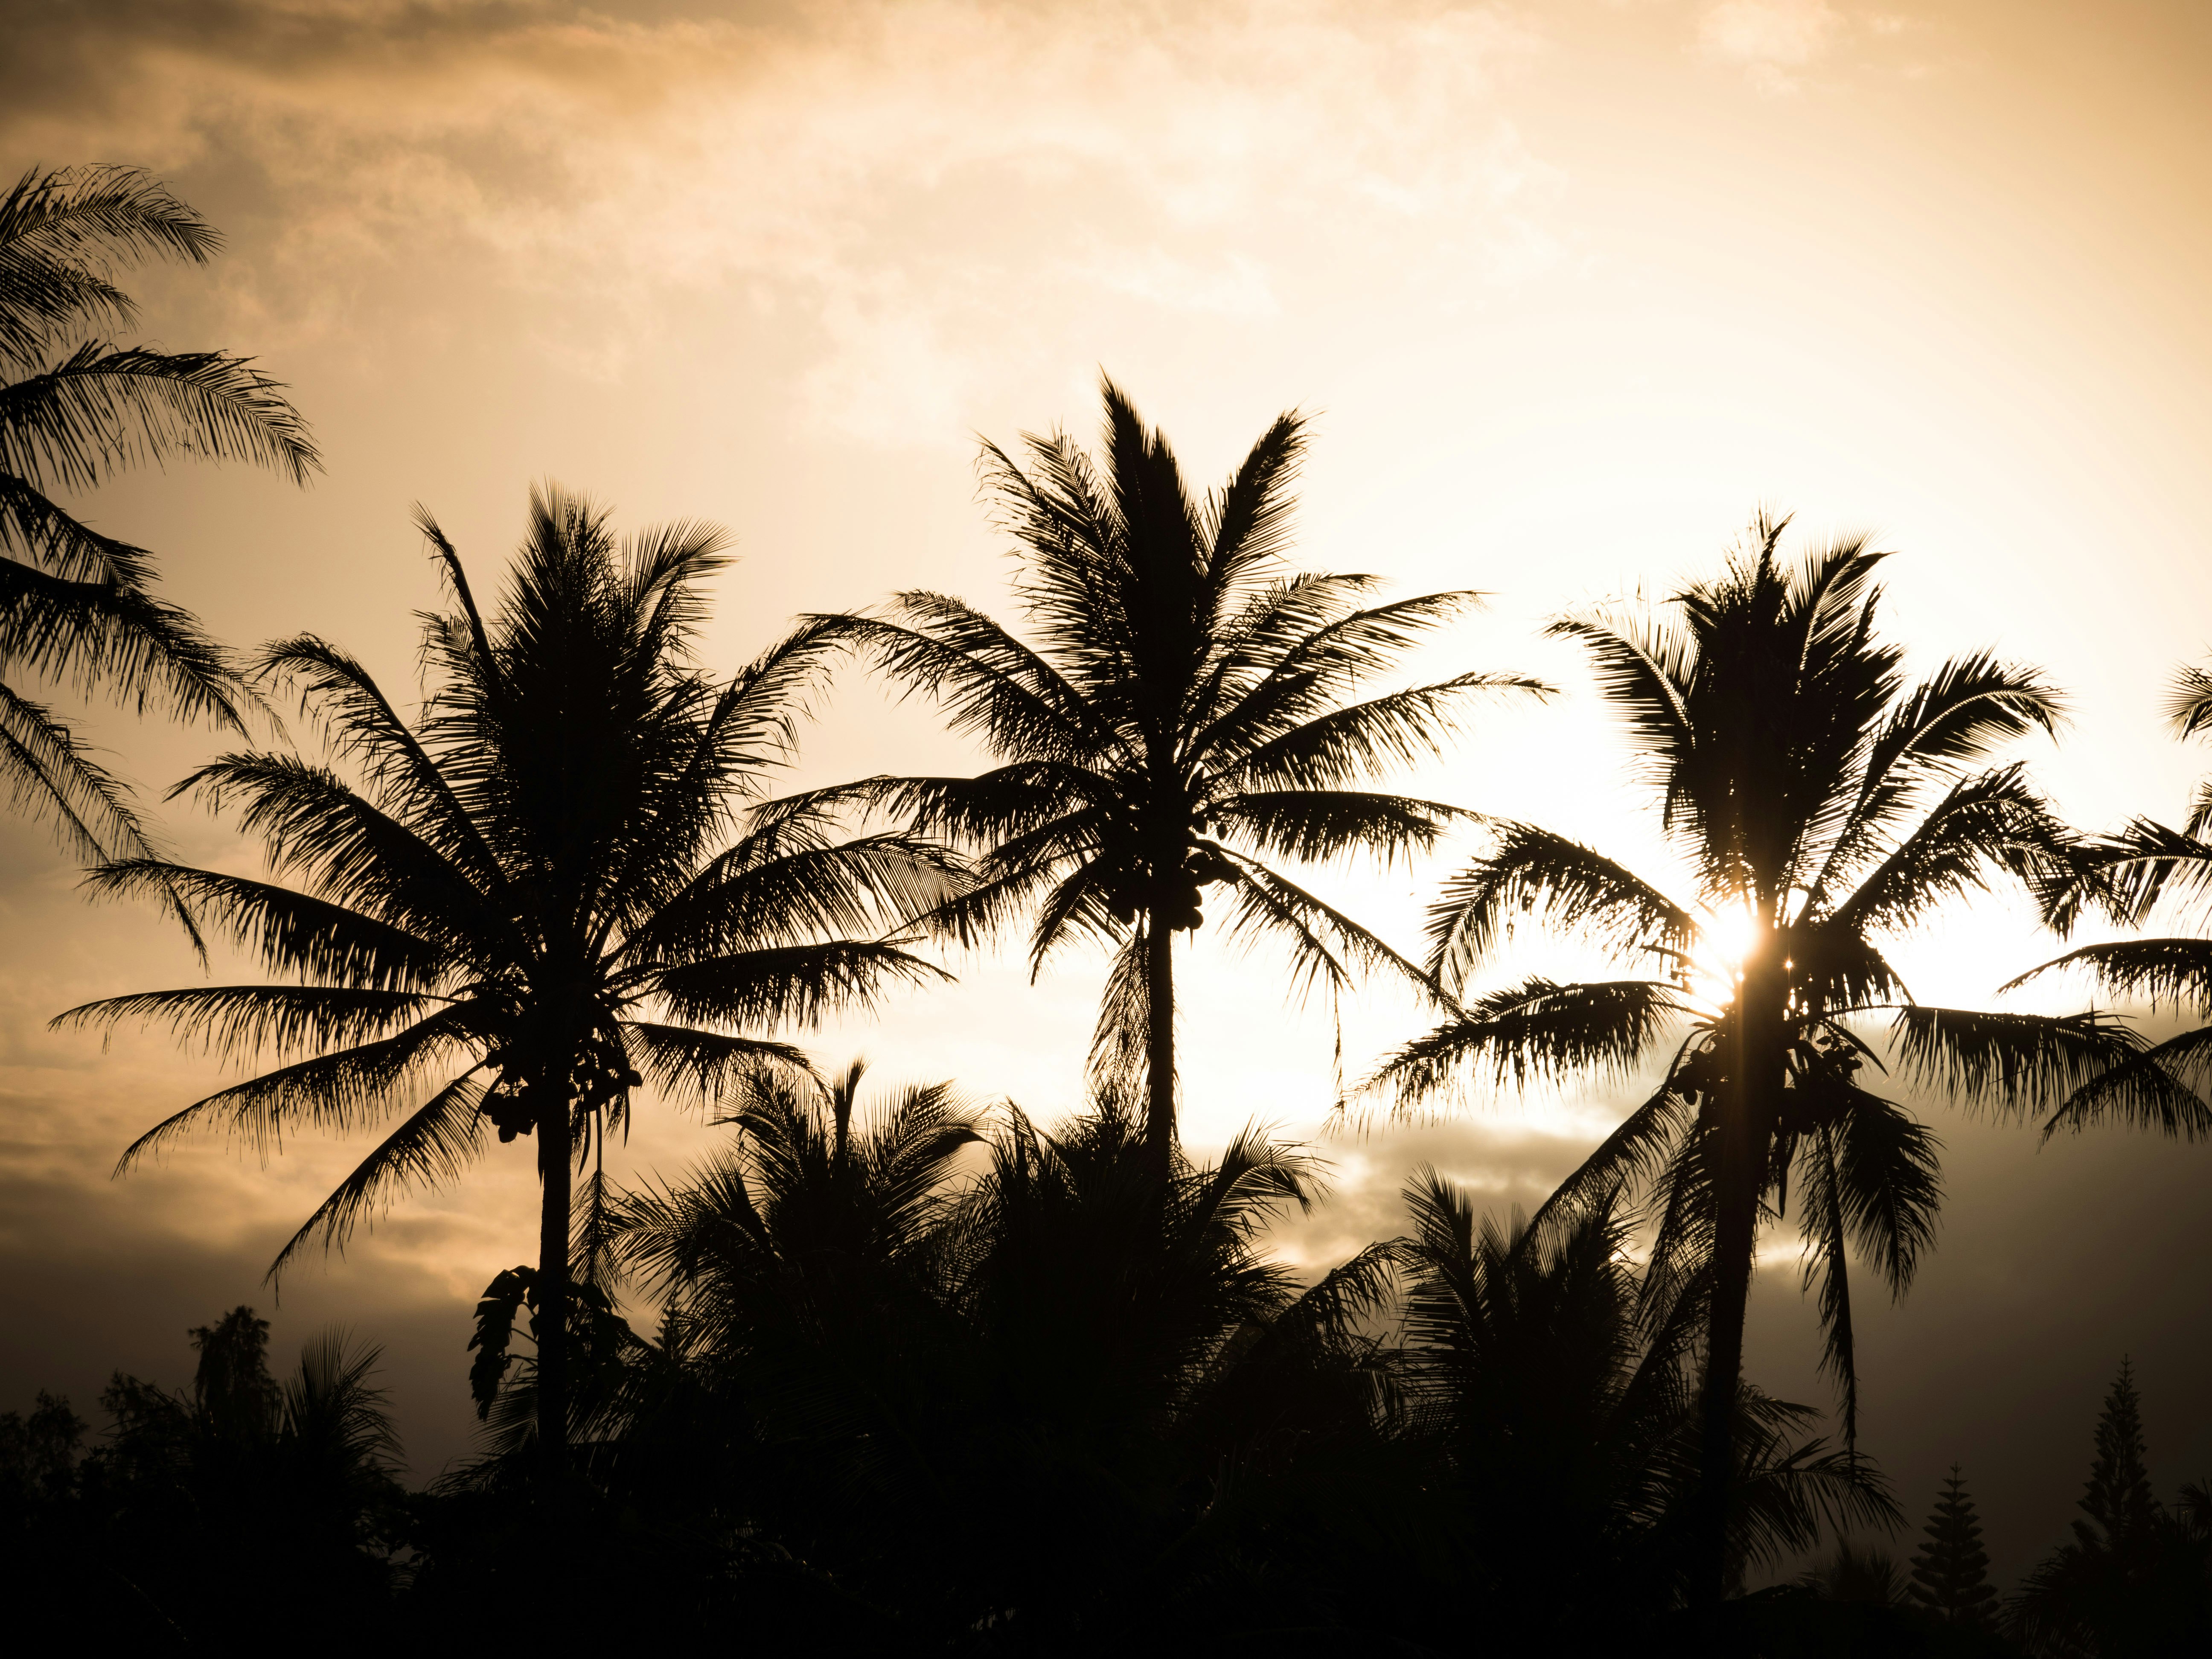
point(1571, 289)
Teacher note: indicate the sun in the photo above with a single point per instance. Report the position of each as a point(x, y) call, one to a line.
point(1725, 938)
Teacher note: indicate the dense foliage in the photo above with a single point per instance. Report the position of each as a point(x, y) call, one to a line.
point(920, 1383)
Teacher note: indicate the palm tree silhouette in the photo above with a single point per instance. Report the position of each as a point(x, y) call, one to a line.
point(801, 1262)
point(998, 1398)
point(78, 606)
point(1821, 803)
point(1182, 717)
point(2144, 868)
point(1559, 1392)
point(548, 892)
point(246, 1473)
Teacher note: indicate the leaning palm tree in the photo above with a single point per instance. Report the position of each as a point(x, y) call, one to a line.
point(1821, 805)
point(2144, 869)
point(1181, 716)
point(548, 892)
point(78, 606)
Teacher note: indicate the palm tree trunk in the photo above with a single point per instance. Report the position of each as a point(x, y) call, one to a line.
point(553, 1170)
point(1732, 1240)
point(1159, 1046)
point(1745, 1130)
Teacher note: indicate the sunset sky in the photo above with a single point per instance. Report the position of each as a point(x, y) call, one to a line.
point(1569, 289)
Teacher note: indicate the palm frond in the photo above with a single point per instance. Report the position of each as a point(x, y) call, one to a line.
point(314, 825)
point(1324, 942)
point(431, 1148)
point(2176, 970)
point(1310, 675)
point(104, 408)
point(46, 770)
point(1080, 904)
point(1645, 674)
point(679, 1058)
point(1535, 872)
point(1315, 825)
point(113, 639)
point(755, 719)
point(1246, 524)
point(988, 682)
point(2189, 703)
point(2133, 870)
point(1115, 1067)
point(360, 723)
point(1027, 798)
point(66, 232)
point(285, 1019)
point(1960, 715)
point(792, 985)
point(290, 931)
point(2161, 1088)
point(1992, 821)
point(1538, 1030)
point(337, 1093)
point(2006, 1062)
point(1628, 1160)
point(1328, 750)
point(776, 888)
point(1827, 1268)
point(1887, 1180)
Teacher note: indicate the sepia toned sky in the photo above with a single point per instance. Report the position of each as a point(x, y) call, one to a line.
point(1571, 290)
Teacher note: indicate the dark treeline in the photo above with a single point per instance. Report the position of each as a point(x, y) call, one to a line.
point(926, 1378)
point(1039, 1408)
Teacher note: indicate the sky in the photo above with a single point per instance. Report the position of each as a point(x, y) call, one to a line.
point(1569, 292)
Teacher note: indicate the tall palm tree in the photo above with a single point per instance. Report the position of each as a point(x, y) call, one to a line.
point(549, 891)
point(1181, 717)
point(2144, 869)
point(75, 605)
point(1821, 805)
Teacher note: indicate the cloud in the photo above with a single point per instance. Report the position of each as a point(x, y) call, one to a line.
point(895, 185)
point(1770, 40)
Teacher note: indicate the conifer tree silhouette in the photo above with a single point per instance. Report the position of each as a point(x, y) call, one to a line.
point(1951, 1569)
point(2122, 1511)
point(2132, 1579)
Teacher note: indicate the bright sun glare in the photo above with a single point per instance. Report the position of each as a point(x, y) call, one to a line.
point(1724, 938)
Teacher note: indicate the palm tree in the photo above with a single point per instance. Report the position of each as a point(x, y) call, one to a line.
point(1016, 1398)
point(2133, 875)
point(1152, 1383)
point(801, 1263)
point(1182, 717)
point(1821, 805)
point(549, 891)
point(1560, 1398)
point(78, 606)
point(246, 1473)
